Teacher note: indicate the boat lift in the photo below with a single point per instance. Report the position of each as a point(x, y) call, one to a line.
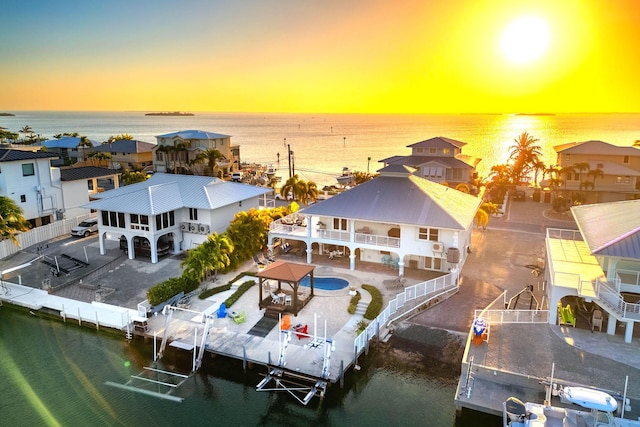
point(303, 388)
point(165, 380)
point(513, 301)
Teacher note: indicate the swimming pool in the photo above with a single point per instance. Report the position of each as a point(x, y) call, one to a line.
point(325, 283)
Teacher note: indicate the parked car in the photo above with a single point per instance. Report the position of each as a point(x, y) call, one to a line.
point(85, 228)
point(236, 176)
point(142, 247)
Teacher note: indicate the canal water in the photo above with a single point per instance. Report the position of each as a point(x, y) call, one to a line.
point(54, 374)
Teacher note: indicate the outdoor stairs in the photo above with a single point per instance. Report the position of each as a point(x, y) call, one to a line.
point(362, 307)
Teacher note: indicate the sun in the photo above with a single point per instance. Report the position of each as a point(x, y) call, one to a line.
point(525, 39)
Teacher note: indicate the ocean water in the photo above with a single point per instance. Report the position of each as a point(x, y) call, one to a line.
point(54, 374)
point(322, 144)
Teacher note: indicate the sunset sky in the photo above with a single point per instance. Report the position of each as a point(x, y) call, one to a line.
point(335, 56)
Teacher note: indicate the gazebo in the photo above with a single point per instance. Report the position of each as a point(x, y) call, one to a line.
point(284, 300)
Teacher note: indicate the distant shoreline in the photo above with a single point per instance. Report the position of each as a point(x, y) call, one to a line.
point(7, 114)
point(170, 113)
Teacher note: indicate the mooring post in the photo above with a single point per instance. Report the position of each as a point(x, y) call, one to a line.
point(244, 359)
point(79, 317)
point(269, 358)
point(97, 322)
point(342, 374)
point(64, 314)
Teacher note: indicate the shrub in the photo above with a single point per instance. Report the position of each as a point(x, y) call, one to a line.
point(244, 287)
point(375, 306)
point(361, 326)
point(353, 304)
point(212, 291)
point(169, 288)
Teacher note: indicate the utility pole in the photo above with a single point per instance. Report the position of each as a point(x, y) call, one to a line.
point(289, 153)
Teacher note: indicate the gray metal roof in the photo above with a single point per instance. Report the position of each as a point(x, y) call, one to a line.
point(9, 155)
point(596, 148)
point(65, 142)
point(610, 229)
point(452, 162)
point(125, 146)
point(398, 197)
point(438, 142)
point(165, 192)
point(85, 172)
point(193, 134)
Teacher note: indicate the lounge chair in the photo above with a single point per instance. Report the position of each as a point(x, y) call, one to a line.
point(275, 299)
point(222, 311)
point(240, 318)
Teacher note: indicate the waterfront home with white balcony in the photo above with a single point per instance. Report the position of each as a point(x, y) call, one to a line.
point(398, 219)
point(178, 210)
point(598, 264)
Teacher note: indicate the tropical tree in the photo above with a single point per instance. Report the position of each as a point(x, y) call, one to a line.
point(11, 220)
point(179, 149)
point(131, 177)
point(26, 130)
point(301, 190)
point(165, 150)
point(84, 143)
point(580, 168)
point(361, 177)
point(482, 218)
point(219, 247)
point(120, 137)
point(523, 155)
point(310, 193)
point(595, 173)
point(99, 156)
point(538, 167)
point(211, 157)
point(71, 134)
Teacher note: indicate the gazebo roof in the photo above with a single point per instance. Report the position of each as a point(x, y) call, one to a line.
point(286, 271)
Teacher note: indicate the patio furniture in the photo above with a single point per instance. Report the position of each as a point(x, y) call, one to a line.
point(275, 299)
point(395, 263)
point(222, 311)
point(240, 318)
point(287, 300)
point(386, 260)
point(301, 331)
point(596, 320)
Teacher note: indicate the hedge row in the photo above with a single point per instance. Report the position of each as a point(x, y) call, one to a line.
point(375, 306)
point(353, 304)
point(244, 287)
point(169, 288)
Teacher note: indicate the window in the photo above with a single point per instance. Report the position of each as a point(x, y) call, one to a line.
point(193, 214)
point(446, 150)
point(433, 150)
point(27, 169)
point(626, 159)
point(340, 224)
point(430, 234)
point(418, 150)
point(457, 174)
point(23, 198)
point(139, 222)
point(623, 180)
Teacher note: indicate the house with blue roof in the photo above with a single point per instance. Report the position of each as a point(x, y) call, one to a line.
point(175, 151)
point(171, 211)
point(68, 149)
point(597, 267)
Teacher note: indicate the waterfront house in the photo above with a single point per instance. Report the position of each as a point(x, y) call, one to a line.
point(599, 171)
point(598, 264)
point(127, 154)
point(173, 209)
point(68, 149)
point(398, 219)
point(28, 179)
point(439, 159)
point(175, 151)
point(81, 184)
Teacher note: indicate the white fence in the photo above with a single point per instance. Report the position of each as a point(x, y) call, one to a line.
point(38, 235)
point(498, 317)
point(428, 290)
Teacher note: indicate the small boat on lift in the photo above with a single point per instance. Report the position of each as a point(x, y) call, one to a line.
point(346, 177)
point(598, 411)
point(270, 172)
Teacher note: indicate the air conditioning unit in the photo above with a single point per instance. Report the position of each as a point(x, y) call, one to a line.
point(203, 228)
point(438, 247)
point(184, 226)
point(193, 228)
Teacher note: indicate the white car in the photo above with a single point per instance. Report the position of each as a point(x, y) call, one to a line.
point(236, 176)
point(85, 228)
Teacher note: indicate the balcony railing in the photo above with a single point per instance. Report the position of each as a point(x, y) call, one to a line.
point(614, 301)
point(563, 234)
point(629, 277)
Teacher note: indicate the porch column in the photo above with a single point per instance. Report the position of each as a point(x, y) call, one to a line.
point(612, 263)
point(154, 250)
point(130, 250)
point(103, 250)
point(401, 266)
point(309, 251)
point(628, 332)
point(611, 325)
point(352, 261)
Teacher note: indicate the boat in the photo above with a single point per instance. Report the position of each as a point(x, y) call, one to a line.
point(270, 172)
point(597, 410)
point(346, 177)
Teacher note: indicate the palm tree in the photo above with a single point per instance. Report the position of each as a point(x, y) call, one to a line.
point(309, 193)
point(165, 150)
point(211, 157)
point(197, 263)
point(596, 173)
point(84, 142)
point(120, 137)
point(538, 166)
point(581, 167)
point(11, 220)
point(99, 156)
point(26, 130)
point(219, 248)
point(131, 177)
point(293, 185)
point(179, 149)
point(523, 154)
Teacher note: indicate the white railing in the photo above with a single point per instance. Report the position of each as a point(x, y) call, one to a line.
point(612, 300)
point(498, 317)
point(377, 240)
point(563, 234)
point(38, 235)
point(428, 289)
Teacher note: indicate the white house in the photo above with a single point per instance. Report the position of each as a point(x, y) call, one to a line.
point(439, 159)
point(175, 151)
point(600, 263)
point(178, 211)
point(28, 179)
point(81, 184)
point(396, 218)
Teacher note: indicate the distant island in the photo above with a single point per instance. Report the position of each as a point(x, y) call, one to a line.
point(6, 114)
point(170, 113)
point(535, 114)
